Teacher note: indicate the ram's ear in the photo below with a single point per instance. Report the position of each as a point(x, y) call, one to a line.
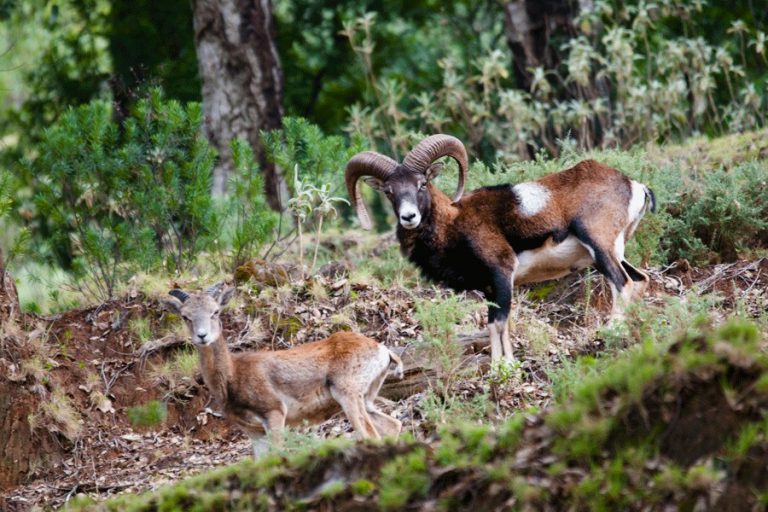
point(226, 295)
point(374, 183)
point(171, 304)
point(434, 170)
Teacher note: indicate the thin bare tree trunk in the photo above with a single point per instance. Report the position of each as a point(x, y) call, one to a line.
point(9, 298)
point(242, 82)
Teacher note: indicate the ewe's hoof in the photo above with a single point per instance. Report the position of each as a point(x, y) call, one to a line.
point(213, 413)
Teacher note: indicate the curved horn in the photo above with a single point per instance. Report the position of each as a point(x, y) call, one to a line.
point(434, 147)
point(367, 163)
point(179, 294)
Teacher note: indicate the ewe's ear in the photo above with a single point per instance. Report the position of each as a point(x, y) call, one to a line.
point(215, 290)
point(434, 170)
point(226, 295)
point(374, 183)
point(171, 304)
point(179, 294)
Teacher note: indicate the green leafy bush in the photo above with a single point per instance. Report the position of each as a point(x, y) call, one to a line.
point(170, 163)
point(600, 85)
point(302, 145)
point(722, 216)
point(150, 414)
point(110, 198)
point(250, 218)
point(13, 240)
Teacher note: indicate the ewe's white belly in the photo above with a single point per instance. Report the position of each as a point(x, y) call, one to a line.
point(552, 261)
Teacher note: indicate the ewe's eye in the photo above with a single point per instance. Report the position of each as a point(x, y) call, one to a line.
point(423, 186)
point(215, 313)
point(185, 317)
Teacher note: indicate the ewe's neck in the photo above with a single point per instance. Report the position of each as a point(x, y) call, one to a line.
point(216, 365)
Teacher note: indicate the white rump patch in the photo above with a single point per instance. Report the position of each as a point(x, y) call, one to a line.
point(533, 197)
point(618, 247)
point(636, 206)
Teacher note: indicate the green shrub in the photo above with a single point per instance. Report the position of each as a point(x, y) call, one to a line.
point(110, 198)
point(13, 240)
point(252, 221)
point(601, 87)
point(722, 216)
point(171, 164)
point(438, 319)
point(150, 414)
point(320, 158)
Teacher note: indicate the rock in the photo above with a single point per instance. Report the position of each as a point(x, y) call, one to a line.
point(334, 270)
point(265, 273)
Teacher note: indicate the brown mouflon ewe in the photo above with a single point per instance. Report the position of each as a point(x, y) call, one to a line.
point(498, 236)
point(269, 389)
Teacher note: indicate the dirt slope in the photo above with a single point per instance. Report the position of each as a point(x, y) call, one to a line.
point(92, 358)
point(681, 427)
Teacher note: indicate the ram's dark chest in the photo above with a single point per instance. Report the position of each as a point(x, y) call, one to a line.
point(453, 264)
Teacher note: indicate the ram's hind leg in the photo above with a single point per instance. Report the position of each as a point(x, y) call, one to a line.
point(639, 280)
point(608, 253)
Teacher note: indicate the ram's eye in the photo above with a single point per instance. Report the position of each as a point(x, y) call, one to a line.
point(185, 317)
point(215, 313)
point(423, 186)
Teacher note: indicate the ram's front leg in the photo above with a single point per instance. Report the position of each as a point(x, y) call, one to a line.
point(498, 316)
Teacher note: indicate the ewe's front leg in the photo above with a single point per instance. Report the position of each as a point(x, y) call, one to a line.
point(259, 428)
point(275, 424)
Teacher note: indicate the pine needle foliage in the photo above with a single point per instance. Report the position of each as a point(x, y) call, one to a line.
point(111, 198)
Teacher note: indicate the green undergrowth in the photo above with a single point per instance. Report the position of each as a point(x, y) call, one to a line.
point(671, 424)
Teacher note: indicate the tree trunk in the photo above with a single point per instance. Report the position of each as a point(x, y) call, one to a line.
point(20, 451)
point(242, 83)
point(9, 298)
point(529, 26)
point(535, 32)
point(419, 370)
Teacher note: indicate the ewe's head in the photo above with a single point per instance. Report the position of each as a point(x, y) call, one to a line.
point(200, 311)
point(405, 184)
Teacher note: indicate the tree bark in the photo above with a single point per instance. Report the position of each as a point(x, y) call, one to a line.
point(419, 370)
point(9, 298)
point(242, 83)
point(528, 26)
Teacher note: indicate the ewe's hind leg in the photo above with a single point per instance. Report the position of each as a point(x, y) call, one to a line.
point(353, 405)
point(385, 425)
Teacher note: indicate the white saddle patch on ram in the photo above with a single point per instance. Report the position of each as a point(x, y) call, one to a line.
point(533, 197)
